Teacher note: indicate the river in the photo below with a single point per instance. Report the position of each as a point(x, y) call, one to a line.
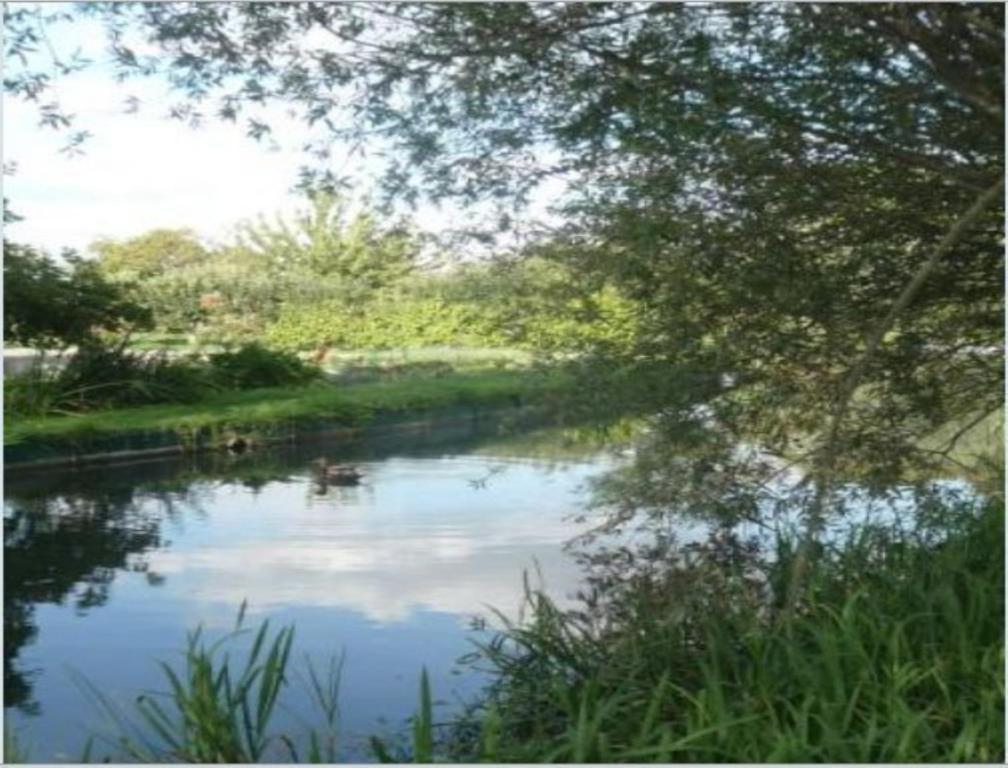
point(107, 568)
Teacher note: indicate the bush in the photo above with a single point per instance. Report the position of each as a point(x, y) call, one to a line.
point(896, 654)
point(104, 375)
point(386, 325)
point(603, 318)
point(253, 365)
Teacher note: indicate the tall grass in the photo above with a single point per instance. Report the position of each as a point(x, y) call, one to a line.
point(897, 655)
point(355, 405)
point(217, 710)
point(103, 375)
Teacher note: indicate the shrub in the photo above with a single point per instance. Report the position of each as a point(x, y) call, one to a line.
point(602, 318)
point(105, 375)
point(388, 324)
point(253, 365)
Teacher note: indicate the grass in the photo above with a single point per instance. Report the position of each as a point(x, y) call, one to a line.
point(896, 655)
point(354, 404)
point(217, 711)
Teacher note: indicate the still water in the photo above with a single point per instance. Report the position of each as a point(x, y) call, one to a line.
point(106, 569)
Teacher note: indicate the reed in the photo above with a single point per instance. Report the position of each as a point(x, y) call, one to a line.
point(897, 655)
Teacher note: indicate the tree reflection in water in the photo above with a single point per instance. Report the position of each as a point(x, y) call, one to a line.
point(66, 548)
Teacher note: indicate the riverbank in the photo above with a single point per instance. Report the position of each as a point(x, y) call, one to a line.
point(270, 413)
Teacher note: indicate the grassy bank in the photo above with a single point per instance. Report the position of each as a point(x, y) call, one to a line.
point(895, 654)
point(352, 404)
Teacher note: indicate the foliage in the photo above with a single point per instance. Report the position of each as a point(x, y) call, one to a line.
point(234, 291)
point(353, 405)
point(102, 375)
point(806, 196)
point(46, 305)
point(541, 303)
point(218, 712)
point(534, 304)
point(9, 216)
point(253, 365)
point(895, 655)
point(157, 252)
point(409, 323)
point(220, 715)
point(802, 208)
point(323, 241)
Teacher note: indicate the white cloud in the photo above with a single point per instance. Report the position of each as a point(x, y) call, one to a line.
point(138, 172)
point(384, 558)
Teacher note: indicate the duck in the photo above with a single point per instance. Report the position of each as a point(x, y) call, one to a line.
point(338, 474)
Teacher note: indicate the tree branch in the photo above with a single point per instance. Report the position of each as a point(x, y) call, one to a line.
point(874, 340)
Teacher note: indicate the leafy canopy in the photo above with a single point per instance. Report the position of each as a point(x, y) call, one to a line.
point(47, 305)
point(325, 241)
point(805, 196)
point(152, 253)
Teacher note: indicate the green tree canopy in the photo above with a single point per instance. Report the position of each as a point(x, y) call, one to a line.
point(806, 196)
point(152, 253)
point(46, 305)
point(325, 241)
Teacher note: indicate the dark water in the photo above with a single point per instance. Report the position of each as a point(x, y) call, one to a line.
point(106, 569)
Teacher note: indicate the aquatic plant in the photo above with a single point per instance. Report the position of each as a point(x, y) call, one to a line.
point(214, 710)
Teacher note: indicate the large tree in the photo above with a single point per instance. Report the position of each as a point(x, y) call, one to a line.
point(325, 241)
point(806, 196)
point(150, 254)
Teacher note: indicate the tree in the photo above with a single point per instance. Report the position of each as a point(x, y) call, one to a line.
point(46, 305)
point(324, 242)
point(153, 253)
point(807, 197)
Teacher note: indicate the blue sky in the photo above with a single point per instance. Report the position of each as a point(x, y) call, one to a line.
point(138, 171)
point(144, 170)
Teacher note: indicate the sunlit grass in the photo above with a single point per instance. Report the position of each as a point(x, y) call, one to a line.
point(352, 404)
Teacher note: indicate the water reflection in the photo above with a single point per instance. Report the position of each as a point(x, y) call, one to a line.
point(105, 569)
point(66, 550)
point(418, 534)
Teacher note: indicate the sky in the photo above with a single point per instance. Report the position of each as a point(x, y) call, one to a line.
point(143, 171)
point(138, 171)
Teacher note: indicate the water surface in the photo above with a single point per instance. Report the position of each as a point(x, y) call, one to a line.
point(106, 569)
